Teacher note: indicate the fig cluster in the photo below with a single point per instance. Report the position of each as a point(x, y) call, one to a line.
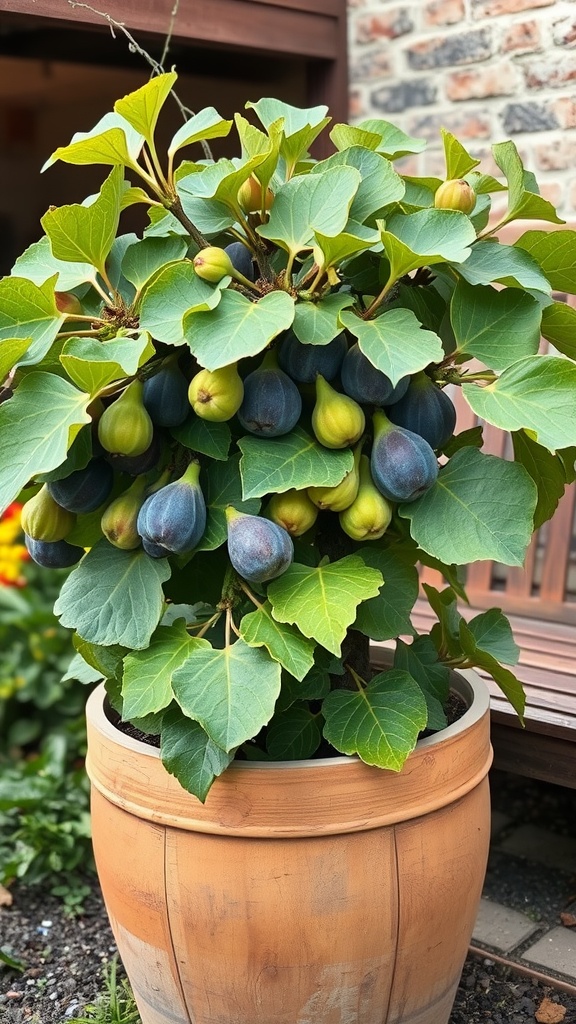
point(144, 488)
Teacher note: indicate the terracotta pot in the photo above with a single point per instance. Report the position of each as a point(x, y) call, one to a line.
point(307, 892)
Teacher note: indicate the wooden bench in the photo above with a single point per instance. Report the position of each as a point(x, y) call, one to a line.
point(540, 600)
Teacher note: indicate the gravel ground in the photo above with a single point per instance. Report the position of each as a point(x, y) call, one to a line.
point(64, 955)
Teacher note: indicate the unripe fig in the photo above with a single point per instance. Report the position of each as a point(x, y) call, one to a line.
point(455, 194)
point(250, 196)
point(365, 383)
point(337, 420)
point(403, 464)
point(293, 510)
point(165, 395)
point(216, 395)
point(68, 303)
point(304, 362)
point(119, 520)
point(175, 516)
point(212, 264)
point(85, 489)
point(241, 259)
point(125, 428)
point(369, 515)
point(272, 402)
point(259, 549)
point(44, 519)
point(134, 465)
point(343, 494)
point(58, 554)
point(426, 410)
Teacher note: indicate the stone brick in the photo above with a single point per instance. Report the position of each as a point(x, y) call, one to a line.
point(493, 8)
point(463, 48)
point(565, 111)
point(564, 32)
point(528, 117)
point(408, 165)
point(393, 99)
point(357, 105)
point(444, 12)
point(556, 950)
point(549, 72)
point(478, 83)
point(553, 191)
point(369, 28)
point(371, 65)
point(470, 124)
point(522, 37)
point(556, 155)
point(500, 927)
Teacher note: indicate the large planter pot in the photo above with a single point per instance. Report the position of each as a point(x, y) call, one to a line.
point(308, 892)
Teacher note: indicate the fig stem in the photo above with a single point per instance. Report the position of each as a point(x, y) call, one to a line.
point(252, 597)
point(379, 298)
point(207, 625)
point(175, 207)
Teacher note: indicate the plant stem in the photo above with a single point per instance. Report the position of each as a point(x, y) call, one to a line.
point(379, 299)
point(250, 595)
point(175, 207)
point(207, 625)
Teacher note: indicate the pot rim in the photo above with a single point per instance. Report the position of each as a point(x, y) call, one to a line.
point(466, 683)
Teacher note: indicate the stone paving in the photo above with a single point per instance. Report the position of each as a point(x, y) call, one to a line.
point(528, 908)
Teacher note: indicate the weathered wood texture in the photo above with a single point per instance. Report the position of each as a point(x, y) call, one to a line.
point(316, 33)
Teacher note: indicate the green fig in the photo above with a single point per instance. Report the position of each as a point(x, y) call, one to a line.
point(343, 494)
point(125, 428)
point(252, 198)
point(216, 395)
point(369, 515)
point(212, 264)
point(44, 519)
point(119, 520)
point(337, 420)
point(293, 510)
point(455, 194)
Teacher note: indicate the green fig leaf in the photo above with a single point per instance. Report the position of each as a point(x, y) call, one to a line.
point(111, 142)
point(37, 264)
point(381, 722)
point(206, 124)
point(212, 439)
point(29, 311)
point(294, 460)
point(189, 754)
point(237, 327)
point(420, 660)
point(293, 735)
point(506, 264)
point(388, 614)
point(84, 234)
point(392, 141)
point(395, 342)
point(144, 258)
point(142, 108)
point(322, 600)
point(458, 160)
point(555, 253)
point(317, 323)
point(426, 237)
point(284, 643)
point(174, 292)
point(468, 495)
point(522, 203)
point(300, 126)
point(506, 680)
point(230, 692)
point(223, 487)
point(492, 633)
point(99, 596)
point(536, 394)
point(11, 352)
point(559, 327)
point(547, 472)
point(309, 203)
point(380, 184)
point(498, 327)
point(37, 426)
point(147, 677)
point(93, 364)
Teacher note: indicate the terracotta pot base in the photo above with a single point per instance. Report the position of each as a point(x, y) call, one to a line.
point(300, 893)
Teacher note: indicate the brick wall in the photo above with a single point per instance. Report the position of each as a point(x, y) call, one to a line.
point(486, 70)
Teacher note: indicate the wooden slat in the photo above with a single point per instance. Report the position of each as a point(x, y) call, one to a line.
point(537, 756)
point(553, 586)
point(252, 25)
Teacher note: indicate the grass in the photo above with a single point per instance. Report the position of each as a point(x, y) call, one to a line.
point(115, 1005)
